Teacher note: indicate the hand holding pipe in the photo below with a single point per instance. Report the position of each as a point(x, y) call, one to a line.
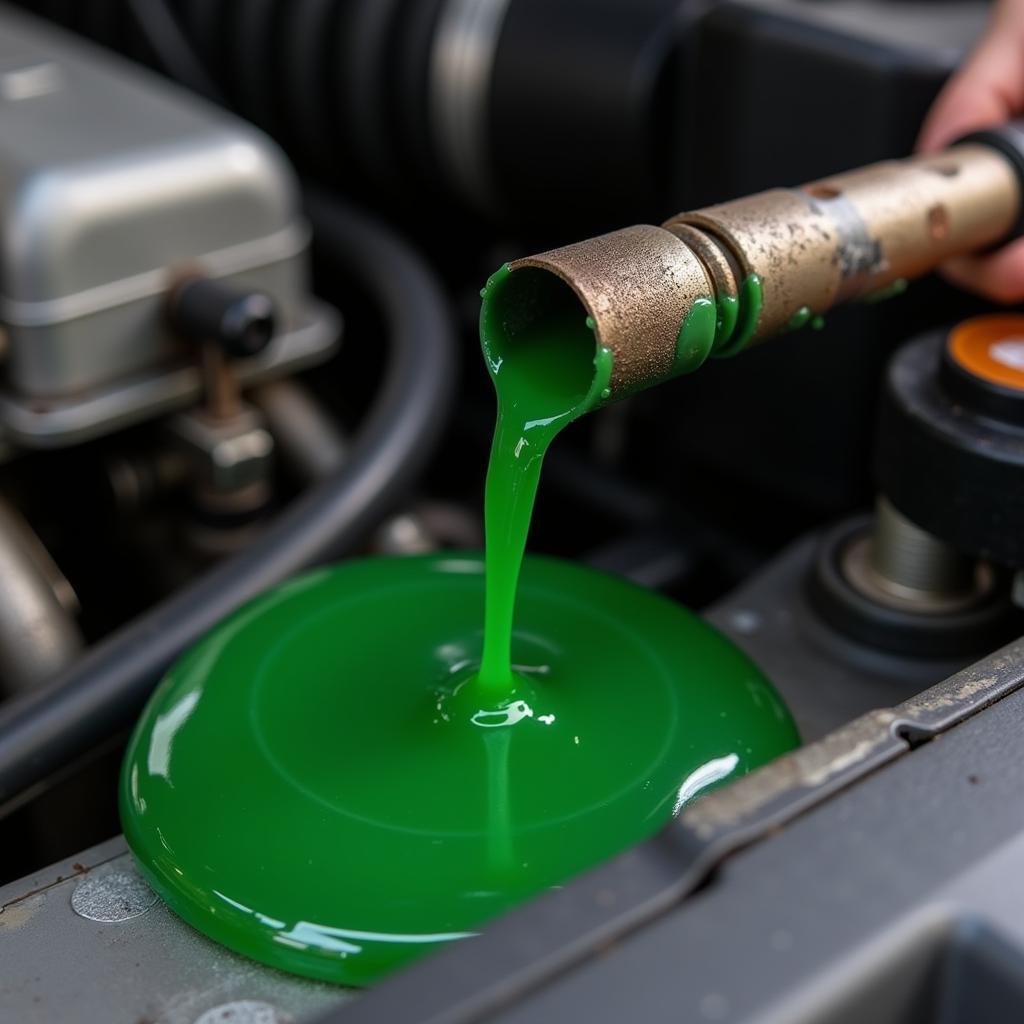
point(711, 282)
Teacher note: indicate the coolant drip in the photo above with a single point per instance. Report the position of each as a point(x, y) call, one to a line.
point(370, 762)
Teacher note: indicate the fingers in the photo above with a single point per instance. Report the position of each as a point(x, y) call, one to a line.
point(988, 90)
point(999, 276)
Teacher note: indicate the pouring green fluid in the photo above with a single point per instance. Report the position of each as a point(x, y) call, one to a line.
point(373, 760)
point(547, 371)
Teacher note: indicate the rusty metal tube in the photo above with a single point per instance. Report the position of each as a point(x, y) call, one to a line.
point(803, 250)
point(637, 285)
point(854, 233)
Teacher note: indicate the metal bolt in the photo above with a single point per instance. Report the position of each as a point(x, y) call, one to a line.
point(404, 535)
point(229, 454)
point(112, 898)
point(245, 1011)
point(714, 1006)
point(1017, 590)
point(744, 621)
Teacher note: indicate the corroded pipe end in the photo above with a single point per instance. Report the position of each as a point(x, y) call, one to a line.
point(658, 301)
point(636, 286)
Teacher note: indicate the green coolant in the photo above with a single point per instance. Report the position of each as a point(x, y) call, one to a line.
point(545, 378)
point(371, 761)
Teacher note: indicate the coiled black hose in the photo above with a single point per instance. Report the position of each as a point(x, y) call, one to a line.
point(105, 691)
point(173, 51)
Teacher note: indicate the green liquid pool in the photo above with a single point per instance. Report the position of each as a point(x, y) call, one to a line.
point(371, 761)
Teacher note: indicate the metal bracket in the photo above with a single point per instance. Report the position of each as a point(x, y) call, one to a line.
point(35, 423)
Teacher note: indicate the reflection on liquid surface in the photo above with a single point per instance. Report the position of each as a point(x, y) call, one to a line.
point(319, 784)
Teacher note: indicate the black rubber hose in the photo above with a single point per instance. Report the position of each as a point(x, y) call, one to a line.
point(159, 25)
point(105, 691)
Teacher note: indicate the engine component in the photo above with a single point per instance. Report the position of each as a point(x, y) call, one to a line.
point(856, 599)
point(947, 462)
point(952, 420)
point(450, 96)
point(232, 455)
point(225, 438)
point(105, 690)
point(310, 442)
point(240, 323)
point(909, 568)
point(460, 96)
point(38, 632)
point(104, 215)
point(408, 99)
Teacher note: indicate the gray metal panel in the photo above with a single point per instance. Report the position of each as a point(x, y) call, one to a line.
point(802, 925)
point(53, 423)
point(144, 967)
point(530, 947)
point(825, 679)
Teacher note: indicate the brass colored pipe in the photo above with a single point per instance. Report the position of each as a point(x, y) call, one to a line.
point(799, 252)
point(638, 285)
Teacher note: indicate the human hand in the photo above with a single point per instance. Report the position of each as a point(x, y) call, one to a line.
point(987, 90)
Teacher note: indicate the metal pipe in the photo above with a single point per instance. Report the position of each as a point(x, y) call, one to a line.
point(759, 265)
point(38, 634)
point(310, 441)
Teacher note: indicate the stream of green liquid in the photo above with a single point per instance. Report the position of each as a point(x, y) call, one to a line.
point(552, 377)
point(371, 761)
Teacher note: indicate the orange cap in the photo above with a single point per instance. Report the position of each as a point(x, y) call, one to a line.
point(991, 347)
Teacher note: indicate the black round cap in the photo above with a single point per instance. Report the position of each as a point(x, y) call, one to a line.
point(241, 322)
point(949, 453)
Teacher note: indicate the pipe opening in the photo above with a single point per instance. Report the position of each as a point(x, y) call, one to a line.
point(537, 334)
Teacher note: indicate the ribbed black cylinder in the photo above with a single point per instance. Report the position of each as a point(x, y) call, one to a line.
point(557, 110)
point(949, 466)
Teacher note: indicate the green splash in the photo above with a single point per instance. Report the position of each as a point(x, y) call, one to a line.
point(719, 327)
point(799, 319)
point(888, 291)
point(751, 301)
point(696, 336)
point(728, 311)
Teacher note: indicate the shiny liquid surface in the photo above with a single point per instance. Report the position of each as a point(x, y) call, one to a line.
point(353, 771)
point(309, 791)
